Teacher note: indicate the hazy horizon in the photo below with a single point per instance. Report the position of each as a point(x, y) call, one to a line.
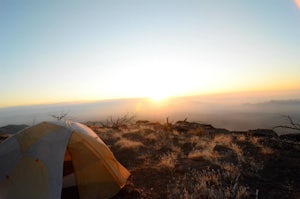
point(230, 111)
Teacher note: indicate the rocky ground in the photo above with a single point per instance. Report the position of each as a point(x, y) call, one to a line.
point(192, 160)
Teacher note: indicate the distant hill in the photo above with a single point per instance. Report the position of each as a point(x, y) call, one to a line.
point(291, 102)
point(233, 112)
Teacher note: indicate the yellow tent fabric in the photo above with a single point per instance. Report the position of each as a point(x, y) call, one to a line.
point(32, 163)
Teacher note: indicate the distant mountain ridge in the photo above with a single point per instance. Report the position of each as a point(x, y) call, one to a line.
point(277, 102)
point(230, 112)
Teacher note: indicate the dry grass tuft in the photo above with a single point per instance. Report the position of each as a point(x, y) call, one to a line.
point(194, 139)
point(254, 140)
point(267, 151)
point(128, 144)
point(223, 139)
point(202, 143)
point(229, 167)
point(241, 138)
point(237, 149)
point(106, 134)
point(168, 160)
point(206, 154)
point(202, 184)
point(116, 136)
point(151, 137)
point(242, 192)
point(176, 149)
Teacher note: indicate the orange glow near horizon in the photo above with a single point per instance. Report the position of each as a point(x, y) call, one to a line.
point(163, 87)
point(297, 2)
point(159, 96)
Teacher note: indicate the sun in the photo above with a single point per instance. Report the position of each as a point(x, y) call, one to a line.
point(158, 97)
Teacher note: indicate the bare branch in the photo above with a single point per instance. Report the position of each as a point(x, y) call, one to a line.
point(59, 117)
point(286, 127)
point(292, 122)
point(293, 125)
point(118, 122)
point(235, 186)
point(167, 120)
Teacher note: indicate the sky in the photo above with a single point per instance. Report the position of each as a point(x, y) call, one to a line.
point(71, 50)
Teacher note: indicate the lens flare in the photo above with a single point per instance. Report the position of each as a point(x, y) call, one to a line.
point(297, 2)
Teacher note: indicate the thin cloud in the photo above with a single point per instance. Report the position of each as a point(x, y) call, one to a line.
point(297, 2)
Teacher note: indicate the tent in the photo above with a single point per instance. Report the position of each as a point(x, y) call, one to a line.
point(41, 160)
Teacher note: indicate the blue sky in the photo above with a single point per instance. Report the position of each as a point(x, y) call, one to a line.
point(87, 50)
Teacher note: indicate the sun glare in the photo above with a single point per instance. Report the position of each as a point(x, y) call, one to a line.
point(297, 2)
point(158, 97)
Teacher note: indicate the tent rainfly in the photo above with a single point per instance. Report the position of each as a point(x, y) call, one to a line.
point(44, 160)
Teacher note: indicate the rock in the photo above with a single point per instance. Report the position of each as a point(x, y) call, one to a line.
point(222, 131)
point(293, 137)
point(142, 122)
point(222, 149)
point(185, 126)
point(263, 133)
